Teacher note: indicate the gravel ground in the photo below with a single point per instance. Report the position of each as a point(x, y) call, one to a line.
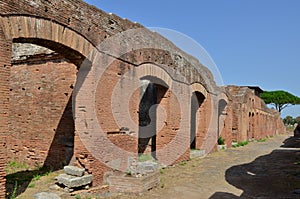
point(269, 169)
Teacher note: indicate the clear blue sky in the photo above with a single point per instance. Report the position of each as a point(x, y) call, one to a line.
point(252, 42)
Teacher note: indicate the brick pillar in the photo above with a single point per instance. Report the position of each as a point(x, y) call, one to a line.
point(5, 60)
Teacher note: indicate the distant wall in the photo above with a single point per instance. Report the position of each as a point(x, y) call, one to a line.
point(252, 119)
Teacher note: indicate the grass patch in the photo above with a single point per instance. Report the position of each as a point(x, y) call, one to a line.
point(239, 144)
point(14, 192)
point(31, 185)
point(162, 171)
point(27, 176)
point(36, 177)
point(77, 196)
point(15, 166)
point(17, 182)
point(145, 157)
point(183, 163)
point(262, 140)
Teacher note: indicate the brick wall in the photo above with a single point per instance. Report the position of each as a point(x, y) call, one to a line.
point(40, 112)
point(41, 124)
point(5, 55)
point(251, 118)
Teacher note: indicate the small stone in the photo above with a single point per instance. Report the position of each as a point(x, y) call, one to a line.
point(74, 171)
point(46, 195)
point(54, 187)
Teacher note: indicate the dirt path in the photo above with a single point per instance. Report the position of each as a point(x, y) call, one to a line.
point(258, 170)
point(269, 169)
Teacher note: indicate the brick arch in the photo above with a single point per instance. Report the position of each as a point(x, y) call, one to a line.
point(199, 88)
point(153, 70)
point(200, 100)
point(225, 118)
point(44, 32)
point(67, 26)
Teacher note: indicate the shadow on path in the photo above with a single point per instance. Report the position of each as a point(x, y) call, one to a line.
point(276, 175)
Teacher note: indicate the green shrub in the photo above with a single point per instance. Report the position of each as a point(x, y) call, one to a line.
point(240, 144)
point(221, 141)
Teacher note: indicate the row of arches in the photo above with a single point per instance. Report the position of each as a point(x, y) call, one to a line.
point(47, 137)
point(79, 105)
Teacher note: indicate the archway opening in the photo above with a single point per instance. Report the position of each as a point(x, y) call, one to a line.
point(197, 100)
point(41, 124)
point(221, 117)
point(152, 91)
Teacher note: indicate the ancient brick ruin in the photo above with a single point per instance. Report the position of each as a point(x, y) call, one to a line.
point(57, 110)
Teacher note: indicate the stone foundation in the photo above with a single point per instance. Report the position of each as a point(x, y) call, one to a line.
point(128, 184)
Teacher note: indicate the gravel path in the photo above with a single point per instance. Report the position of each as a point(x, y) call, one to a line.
point(269, 169)
point(261, 170)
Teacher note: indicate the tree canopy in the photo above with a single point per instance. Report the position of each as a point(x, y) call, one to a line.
point(279, 99)
point(289, 120)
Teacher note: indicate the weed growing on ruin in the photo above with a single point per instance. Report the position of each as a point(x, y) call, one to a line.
point(221, 141)
point(31, 185)
point(262, 140)
point(15, 166)
point(240, 144)
point(128, 173)
point(36, 177)
point(14, 193)
point(162, 171)
point(77, 196)
point(145, 157)
point(22, 177)
point(183, 163)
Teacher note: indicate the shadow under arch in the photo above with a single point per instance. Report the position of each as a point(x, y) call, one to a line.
point(152, 91)
point(197, 100)
point(221, 121)
point(66, 121)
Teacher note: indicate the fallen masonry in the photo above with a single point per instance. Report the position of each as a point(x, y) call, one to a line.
point(74, 178)
point(74, 171)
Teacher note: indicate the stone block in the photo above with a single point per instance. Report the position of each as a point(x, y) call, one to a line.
point(72, 181)
point(197, 153)
point(74, 171)
point(131, 184)
point(146, 167)
point(222, 147)
point(46, 195)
